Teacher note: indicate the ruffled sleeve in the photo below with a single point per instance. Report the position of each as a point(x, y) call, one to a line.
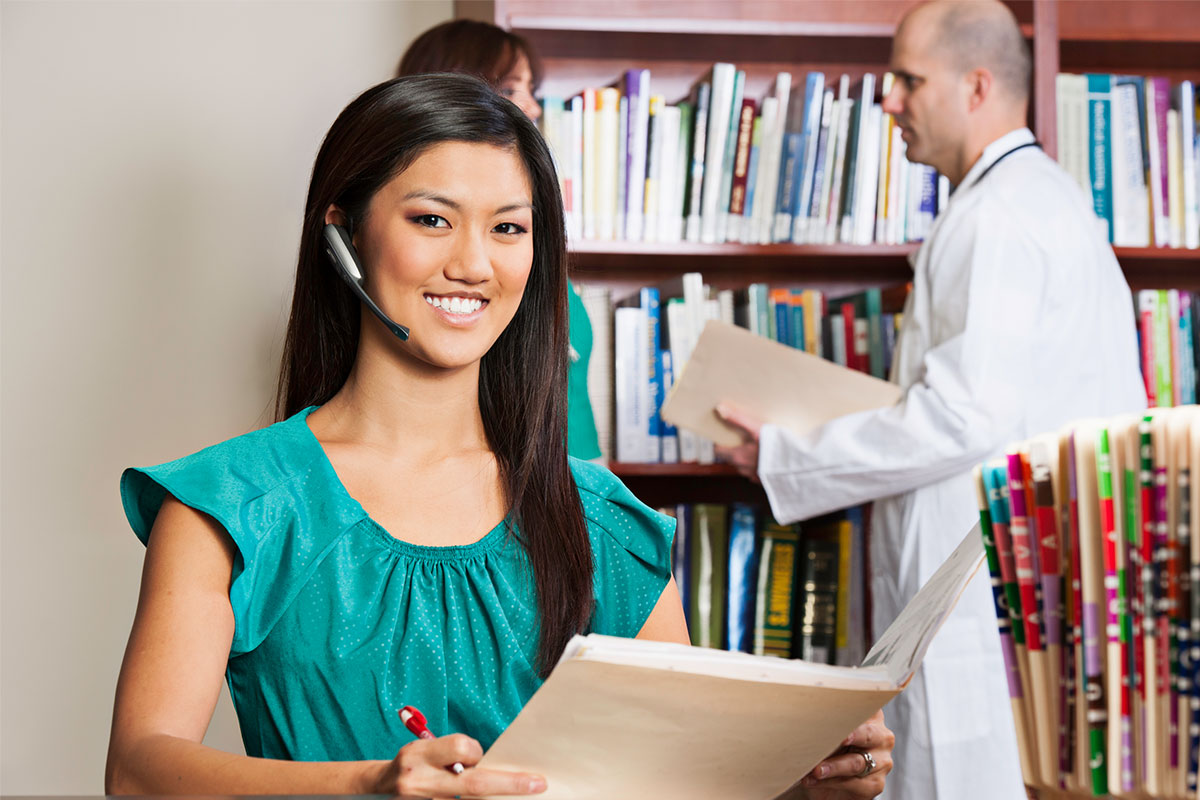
point(273, 506)
point(631, 545)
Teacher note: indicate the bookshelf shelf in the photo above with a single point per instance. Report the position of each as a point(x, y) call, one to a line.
point(703, 26)
point(623, 469)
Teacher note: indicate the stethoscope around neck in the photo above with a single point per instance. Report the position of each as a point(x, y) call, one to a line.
point(1003, 156)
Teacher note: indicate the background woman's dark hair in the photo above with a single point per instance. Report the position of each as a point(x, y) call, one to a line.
point(471, 47)
point(523, 378)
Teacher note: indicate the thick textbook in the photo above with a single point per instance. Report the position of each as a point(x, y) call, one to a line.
point(631, 718)
point(774, 382)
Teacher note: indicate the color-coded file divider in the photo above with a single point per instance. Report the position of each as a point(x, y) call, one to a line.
point(1096, 524)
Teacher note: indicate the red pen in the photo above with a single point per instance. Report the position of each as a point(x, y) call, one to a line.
point(415, 721)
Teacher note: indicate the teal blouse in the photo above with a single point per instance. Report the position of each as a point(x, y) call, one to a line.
point(582, 439)
point(337, 624)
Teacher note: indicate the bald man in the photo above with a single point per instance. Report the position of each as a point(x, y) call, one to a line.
point(1019, 321)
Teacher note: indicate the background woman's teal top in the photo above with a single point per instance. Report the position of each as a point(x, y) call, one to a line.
point(582, 439)
point(337, 624)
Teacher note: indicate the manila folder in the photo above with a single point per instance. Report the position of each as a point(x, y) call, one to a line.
point(626, 718)
point(776, 383)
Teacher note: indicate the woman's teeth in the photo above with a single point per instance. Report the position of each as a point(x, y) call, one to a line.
point(455, 305)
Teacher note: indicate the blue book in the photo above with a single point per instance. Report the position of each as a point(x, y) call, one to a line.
point(670, 435)
point(802, 184)
point(743, 578)
point(785, 202)
point(681, 557)
point(783, 320)
point(1100, 147)
point(648, 299)
point(752, 169)
point(797, 328)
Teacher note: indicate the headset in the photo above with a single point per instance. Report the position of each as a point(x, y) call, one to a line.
point(341, 252)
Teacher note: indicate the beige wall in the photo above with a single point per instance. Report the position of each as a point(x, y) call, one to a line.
point(153, 162)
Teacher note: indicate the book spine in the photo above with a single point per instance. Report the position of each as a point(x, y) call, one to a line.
point(681, 558)
point(654, 393)
point(727, 158)
point(710, 548)
point(775, 603)
point(622, 176)
point(817, 618)
point(670, 436)
point(630, 386)
point(1147, 305)
point(653, 169)
point(1100, 152)
point(1131, 212)
point(808, 228)
point(1158, 99)
point(720, 109)
point(695, 182)
point(637, 89)
point(743, 577)
point(1162, 351)
point(802, 188)
point(1185, 99)
point(741, 164)
point(844, 222)
point(797, 322)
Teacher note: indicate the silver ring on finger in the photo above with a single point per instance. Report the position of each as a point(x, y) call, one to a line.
point(868, 764)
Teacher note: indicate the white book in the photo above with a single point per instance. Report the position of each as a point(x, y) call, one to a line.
point(856, 149)
point(1071, 100)
point(1160, 223)
point(653, 170)
point(897, 164)
point(597, 301)
point(669, 205)
point(820, 211)
point(639, 116)
point(753, 224)
point(714, 150)
point(773, 138)
point(731, 134)
point(631, 384)
point(814, 121)
point(725, 305)
point(1131, 201)
point(608, 101)
point(575, 218)
point(680, 345)
point(591, 163)
point(837, 192)
point(886, 123)
point(622, 165)
point(682, 164)
point(1185, 94)
point(1175, 177)
point(866, 199)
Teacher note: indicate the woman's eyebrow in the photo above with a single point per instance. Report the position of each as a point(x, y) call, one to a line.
point(421, 194)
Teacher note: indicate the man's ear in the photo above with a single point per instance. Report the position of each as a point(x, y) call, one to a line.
point(979, 87)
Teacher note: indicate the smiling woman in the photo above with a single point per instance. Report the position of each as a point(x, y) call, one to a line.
point(412, 531)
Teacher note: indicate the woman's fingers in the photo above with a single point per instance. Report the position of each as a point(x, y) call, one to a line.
point(423, 768)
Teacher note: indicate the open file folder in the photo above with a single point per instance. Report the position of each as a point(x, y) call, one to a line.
point(624, 718)
point(776, 383)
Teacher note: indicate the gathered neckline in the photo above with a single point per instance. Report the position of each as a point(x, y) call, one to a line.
point(456, 552)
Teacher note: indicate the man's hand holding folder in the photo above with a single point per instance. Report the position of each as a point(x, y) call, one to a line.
point(736, 381)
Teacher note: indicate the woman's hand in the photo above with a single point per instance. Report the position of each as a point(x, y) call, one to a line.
point(844, 774)
point(422, 769)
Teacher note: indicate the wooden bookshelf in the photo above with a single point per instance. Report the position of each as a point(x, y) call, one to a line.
point(587, 44)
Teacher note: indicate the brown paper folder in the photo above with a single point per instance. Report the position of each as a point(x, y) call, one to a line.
point(776, 383)
point(622, 718)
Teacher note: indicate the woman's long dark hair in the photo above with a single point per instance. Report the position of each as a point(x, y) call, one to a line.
point(523, 377)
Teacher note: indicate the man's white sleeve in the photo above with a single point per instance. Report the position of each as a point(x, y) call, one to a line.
point(968, 403)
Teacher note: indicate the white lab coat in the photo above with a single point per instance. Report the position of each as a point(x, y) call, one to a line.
point(1018, 322)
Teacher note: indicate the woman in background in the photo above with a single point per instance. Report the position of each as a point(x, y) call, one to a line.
point(509, 65)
